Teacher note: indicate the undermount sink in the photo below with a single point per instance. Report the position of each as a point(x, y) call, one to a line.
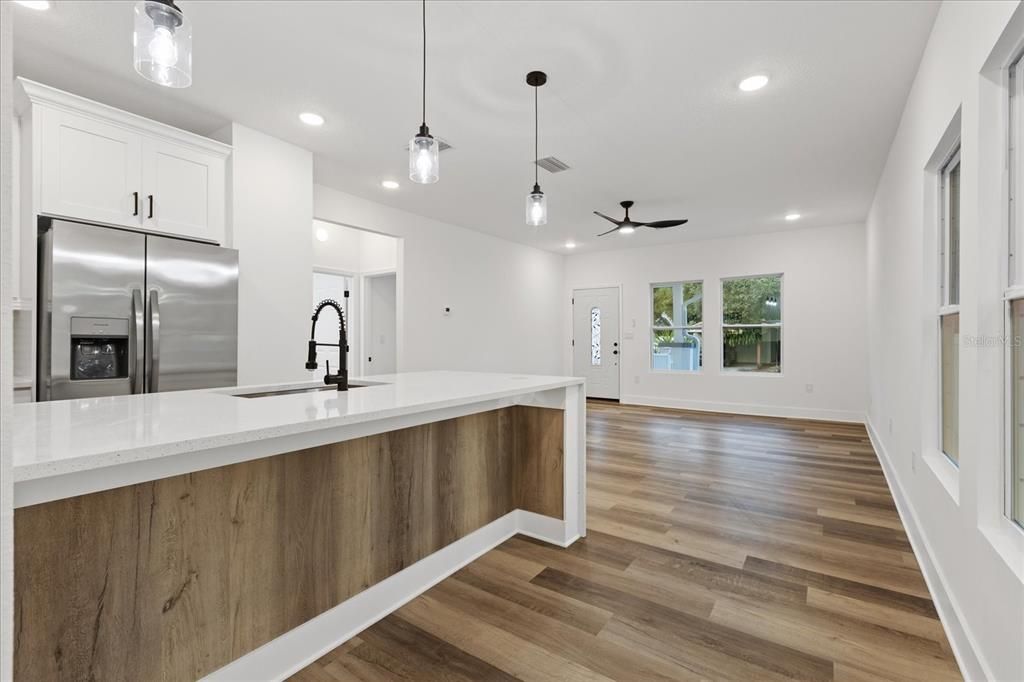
point(290, 391)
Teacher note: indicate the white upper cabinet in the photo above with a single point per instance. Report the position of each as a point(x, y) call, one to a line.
point(184, 190)
point(88, 169)
point(95, 163)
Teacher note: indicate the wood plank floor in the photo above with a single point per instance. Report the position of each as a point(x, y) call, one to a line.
point(720, 547)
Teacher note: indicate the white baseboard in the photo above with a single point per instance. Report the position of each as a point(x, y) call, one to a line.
point(545, 528)
point(968, 655)
point(745, 408)
point(285, 655)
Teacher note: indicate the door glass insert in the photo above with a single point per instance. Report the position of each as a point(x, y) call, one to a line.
point(595, 336)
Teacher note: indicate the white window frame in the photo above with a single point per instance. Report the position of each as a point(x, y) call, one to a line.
point(651, 327)
point(945, 307)
point(1014, 289)
point(722, 325)
point(946, 253)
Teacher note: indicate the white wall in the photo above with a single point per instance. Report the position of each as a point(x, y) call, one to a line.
point(271, 207)
point(971, 555)
point(823, 315)
point(353, 251)
point(377, 252)
point(505, 310)
point(341, 251)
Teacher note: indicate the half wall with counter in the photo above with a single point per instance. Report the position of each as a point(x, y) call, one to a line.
point(202, 533)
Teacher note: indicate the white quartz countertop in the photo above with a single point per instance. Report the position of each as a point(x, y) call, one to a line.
point(67, 436)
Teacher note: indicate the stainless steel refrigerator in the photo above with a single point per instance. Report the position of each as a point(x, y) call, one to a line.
point(122, 312)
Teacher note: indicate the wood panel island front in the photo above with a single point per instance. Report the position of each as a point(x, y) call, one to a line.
point(198, 534)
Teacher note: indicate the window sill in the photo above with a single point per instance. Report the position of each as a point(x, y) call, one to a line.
point(947, 473)
point(1007, 539)
point(671, 372)
point(723, 371)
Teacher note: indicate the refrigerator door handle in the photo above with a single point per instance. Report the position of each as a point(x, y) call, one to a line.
point(135, 343)
point(153, 341)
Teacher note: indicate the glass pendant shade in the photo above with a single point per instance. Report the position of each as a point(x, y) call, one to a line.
point(423, 159)
point(536, 207)
point(163, 44)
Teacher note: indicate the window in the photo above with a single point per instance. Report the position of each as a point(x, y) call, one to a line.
point(1014, 296)
point(949, 308)
point(752, 324)
point(1016, 468)
point(951, 230)
point(595, 336)
point(677, 326)
point(949, 380)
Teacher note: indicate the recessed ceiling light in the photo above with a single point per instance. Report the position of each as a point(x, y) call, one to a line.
point(753, 83)
point(627, 229)
point(389, 184)
point(570, 244)
point(34, 4)
point(311, 119)
point(792, 216)
point(321, 234)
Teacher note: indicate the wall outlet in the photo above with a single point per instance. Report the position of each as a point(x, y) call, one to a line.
point(809, 388)
point(890, 426)
point(913, 461)
point(636, 378)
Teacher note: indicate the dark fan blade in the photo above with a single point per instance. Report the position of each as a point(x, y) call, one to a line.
point(614, 229)
point(606, 218)
point(662, 224)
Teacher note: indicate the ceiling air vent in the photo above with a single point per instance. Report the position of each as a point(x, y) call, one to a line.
point(442, 146)
point(552, 164)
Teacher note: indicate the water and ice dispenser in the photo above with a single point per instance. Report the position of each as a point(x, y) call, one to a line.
point(99, 348)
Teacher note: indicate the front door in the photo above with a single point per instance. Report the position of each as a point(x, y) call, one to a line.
point(595, 323)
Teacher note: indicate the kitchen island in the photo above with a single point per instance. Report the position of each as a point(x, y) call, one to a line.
point(241, 533)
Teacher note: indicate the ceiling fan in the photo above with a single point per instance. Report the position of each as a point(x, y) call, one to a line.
point(628, 226)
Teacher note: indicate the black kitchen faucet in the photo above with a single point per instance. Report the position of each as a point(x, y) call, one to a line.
point(341, 378)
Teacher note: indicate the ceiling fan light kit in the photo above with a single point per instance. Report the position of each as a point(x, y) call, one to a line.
point(162, 43)
point(536, 201)
point(628, 225)
point(424, 151)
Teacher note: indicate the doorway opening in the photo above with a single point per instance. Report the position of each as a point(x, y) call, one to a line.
point(359, 269)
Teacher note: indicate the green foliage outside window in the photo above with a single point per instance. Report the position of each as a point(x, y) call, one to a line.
point(749, 300)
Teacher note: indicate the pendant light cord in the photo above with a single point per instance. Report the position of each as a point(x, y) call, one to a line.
point(536, 134)
point(424, 62)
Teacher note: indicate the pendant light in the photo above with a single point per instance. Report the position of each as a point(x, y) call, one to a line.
point(163, 43)
point(423, 148)
point(536, 202)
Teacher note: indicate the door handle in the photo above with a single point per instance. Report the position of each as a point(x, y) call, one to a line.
point(150, 206)
point(135, 349)
point(135, 200)
point(153, 343)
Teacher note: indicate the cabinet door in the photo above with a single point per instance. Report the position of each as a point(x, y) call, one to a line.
point(89, 170)
point(184, 190)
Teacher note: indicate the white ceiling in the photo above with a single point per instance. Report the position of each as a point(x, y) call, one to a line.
point(641, 101)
